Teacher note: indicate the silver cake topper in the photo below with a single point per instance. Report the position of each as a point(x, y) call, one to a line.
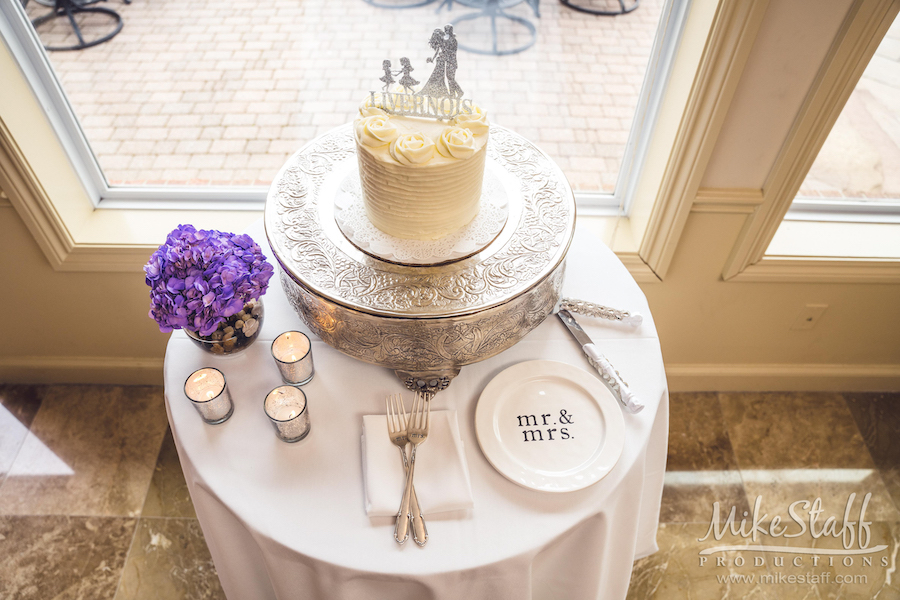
point(440, 98)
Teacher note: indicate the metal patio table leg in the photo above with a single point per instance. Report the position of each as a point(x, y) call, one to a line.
point(496, 9)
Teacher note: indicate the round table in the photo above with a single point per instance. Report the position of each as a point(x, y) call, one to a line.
point(289, 521)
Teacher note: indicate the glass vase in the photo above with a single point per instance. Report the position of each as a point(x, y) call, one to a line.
point(235, 334)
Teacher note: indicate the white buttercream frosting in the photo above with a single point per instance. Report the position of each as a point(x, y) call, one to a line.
point(376, 131)
point(367, 109)
point(425, 182)
point(412, 149)
point(475, 121)
point(456, 142)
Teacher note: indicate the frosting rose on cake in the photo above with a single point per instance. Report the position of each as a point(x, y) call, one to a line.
point(367, 109)
point(376, 131)
point(412, 149)
point(475, 121)
point(456, 142)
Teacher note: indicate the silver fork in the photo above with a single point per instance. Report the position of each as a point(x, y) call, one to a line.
point(416, 432)
point(396, 422)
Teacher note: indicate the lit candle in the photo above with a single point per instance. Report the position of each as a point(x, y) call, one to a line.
point(292, 352)
point(286, 408)
point(208, 392)
point(286, 413)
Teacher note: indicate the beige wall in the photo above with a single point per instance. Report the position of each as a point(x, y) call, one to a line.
point(715, 334)
point(720, 335)
point(731, 335)
point(71, 326)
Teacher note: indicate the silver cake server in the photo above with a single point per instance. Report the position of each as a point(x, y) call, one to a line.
point(583, 307)
point(608, 375)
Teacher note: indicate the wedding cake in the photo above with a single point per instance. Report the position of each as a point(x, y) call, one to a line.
point(422, 153)
point(421, 179)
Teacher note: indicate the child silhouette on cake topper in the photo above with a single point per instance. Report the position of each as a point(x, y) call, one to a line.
point(387, 78)
point(407, 80)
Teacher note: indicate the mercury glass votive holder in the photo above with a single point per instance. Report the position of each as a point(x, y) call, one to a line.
point(208, 392)
point(292, 352)
point(287, 409)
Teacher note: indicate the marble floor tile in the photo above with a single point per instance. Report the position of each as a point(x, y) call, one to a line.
point(678, 571)
point(778, 489)
point(878, 418)
point(169, 560)
point(689, 496)
point(701, 468)
point(91, 451)
point(796, 430)
point(816, 574)
point(72, 558)
point(891, 479)
point(698, 439)
point(22, 401)
point(793, 447)
point(168, 495)
point(18, 406)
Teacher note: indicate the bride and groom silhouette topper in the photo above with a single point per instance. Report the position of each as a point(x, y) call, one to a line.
point(440, 87)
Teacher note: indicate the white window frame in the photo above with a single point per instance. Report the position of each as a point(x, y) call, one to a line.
point(646, 115)
point(847, 210)
point(78, 234)
point(844, 211)
point(871, 210)
point(859, 37)
point(25, 45)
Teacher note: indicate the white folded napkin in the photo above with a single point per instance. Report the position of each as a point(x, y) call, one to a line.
point(442, 475)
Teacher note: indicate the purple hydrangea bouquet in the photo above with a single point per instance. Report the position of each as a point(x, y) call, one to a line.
point(209, 283)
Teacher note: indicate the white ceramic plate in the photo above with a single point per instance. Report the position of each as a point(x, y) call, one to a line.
point(549, 426)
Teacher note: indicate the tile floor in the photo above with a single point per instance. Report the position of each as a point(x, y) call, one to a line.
point(93, 504)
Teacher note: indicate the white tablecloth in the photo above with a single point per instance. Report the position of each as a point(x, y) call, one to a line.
point(287, 521)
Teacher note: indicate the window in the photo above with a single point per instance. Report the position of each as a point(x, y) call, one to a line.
point(836, 229)
point(856, 175)
point(83, 223)
point(193, 102)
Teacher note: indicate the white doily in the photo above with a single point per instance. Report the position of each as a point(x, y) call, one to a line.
point(351, 218)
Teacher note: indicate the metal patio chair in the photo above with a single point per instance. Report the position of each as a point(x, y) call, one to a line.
point(69, 9)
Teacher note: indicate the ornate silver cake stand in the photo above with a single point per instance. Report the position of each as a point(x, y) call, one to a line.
point(425, 322)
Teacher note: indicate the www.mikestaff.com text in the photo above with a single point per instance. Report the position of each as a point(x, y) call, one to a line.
point(779, 578)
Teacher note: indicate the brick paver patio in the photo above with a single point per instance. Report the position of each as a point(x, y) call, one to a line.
point(223, 91)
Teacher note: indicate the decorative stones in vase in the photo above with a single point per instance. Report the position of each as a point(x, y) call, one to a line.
point(235, 334)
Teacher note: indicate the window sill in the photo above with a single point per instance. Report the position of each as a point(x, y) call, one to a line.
point(829, 252)
point(616, 232)
point(837, 240)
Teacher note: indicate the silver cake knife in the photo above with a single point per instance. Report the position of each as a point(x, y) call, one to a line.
point(608, 374)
